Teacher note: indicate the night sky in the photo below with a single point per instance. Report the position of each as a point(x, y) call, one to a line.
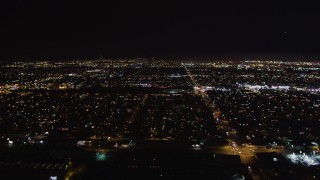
point(125, 28)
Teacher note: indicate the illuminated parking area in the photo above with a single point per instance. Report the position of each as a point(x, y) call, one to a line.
point(303, 159)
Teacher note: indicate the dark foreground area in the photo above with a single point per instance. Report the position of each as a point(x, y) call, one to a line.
point(149, 163)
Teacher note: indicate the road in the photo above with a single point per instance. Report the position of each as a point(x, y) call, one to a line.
point(246, 153)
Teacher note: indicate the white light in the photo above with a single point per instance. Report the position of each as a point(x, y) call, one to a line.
point(304, 159)
point(53, 178)
point(81, 143)
point(10, 143)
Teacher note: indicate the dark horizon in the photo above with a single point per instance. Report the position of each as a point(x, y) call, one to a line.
point(122, 29)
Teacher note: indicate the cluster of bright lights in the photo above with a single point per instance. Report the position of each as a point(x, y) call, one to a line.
point(306, 160)
point(196, 146)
